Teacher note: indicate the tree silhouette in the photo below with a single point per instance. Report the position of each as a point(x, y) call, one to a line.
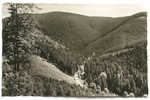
point(17, 27)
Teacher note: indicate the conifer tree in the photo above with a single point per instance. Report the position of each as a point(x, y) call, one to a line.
point(16, 29)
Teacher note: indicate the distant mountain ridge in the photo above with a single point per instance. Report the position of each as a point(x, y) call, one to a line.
point(85, 34)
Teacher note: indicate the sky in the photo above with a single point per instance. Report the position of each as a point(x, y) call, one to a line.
point(110, 10)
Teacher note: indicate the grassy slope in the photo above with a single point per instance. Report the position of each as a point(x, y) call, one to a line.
point(127, 34)
point(79, 32)
point(40, 66)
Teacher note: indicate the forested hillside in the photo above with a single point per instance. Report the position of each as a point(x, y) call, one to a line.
point(85, 34)
point(112, 50)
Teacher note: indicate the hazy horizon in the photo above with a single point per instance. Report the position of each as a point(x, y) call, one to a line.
point(113, 10)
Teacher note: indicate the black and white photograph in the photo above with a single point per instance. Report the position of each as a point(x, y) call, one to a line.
point(74, 50)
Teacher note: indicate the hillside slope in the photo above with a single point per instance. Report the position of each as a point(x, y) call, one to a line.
point(78, 32)
point(40, 66)
point(128, 32)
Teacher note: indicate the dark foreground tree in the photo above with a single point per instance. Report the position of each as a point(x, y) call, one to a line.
point(16, 28)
